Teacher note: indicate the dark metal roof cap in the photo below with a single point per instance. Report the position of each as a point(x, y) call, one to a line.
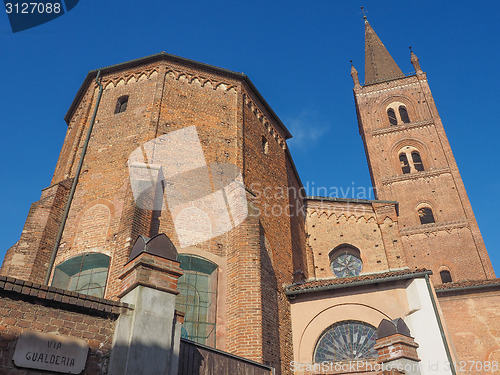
point(159, 245)
point(387, 328)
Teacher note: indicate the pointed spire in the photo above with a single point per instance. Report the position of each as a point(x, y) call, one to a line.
point(379, 64)
point(354, 75)
point(415, 63)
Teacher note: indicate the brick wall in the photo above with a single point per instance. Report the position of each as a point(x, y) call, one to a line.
point(454, 241)
point(265, 174)
point(369, 226)
point(231, 122)
point(28, 259)
point(25, 306)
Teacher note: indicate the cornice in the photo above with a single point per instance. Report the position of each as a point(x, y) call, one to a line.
point(435, 227)
point(401, 128)
point(349, 212)
point(264, 120)
point(415, 176)
point(377, 88)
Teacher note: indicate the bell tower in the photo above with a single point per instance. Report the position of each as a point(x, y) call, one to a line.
point(411, 161)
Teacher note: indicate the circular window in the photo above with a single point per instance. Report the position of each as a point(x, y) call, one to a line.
point(346, 340)
point(346, 261)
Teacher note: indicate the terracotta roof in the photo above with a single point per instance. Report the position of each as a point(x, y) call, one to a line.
point(467, 284)
point(379, 64)
point(344, 282)
point(61, 296)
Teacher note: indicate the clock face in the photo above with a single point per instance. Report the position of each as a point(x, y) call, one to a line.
point(346, 265)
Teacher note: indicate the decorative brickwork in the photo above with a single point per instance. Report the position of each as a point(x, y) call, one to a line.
point(395, 347)
point(151, 271)
point(286, 237)
point(165, 94)
point(25, 306)
point(454, 241)
point(370, 226)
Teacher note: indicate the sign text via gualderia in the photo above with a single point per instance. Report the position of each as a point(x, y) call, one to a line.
point(51, 352)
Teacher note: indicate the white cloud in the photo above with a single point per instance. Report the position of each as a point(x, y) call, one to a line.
point(307, 128)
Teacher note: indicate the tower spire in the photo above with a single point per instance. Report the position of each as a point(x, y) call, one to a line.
point(354, 75)
point(415, 63)
point(379, 64)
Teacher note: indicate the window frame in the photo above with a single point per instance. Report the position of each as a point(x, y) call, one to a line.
point(393, 120)
point(403, 114)
point(448, 276)
point(372, 338)
point(121, 104)
point(413, 159)
point(397, 113)
point(345, 249)
point(64, 273)
point(193, 326)
point(422, 217)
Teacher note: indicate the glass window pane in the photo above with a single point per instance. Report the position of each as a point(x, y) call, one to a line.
point(403, 113)
point(417, 161)
point(403, 161)
point(85, 273)
point(198, 298)
point(346, 340)
point(392, 117)
point(346, 262)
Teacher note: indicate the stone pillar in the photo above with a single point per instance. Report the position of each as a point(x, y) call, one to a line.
point(397, 353)
point(147, 339)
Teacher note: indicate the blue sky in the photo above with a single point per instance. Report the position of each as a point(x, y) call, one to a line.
point(297, 54)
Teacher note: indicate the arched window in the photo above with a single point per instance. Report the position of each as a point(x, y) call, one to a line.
point(445, 276)
point(86, 273)
point(403, 161)
point(403, 113)
point(417, 161)
point(392, 117)
point(426, 216)
point(345, 261)
point(121, 104)
point(198, 298)
point(346, 340)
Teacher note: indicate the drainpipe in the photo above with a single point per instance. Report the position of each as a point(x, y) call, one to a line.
point(75, 182)
point(440, 324)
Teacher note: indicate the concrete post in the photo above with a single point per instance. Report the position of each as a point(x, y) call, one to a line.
point(147, 339)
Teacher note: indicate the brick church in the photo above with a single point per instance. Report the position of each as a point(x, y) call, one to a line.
point(175, 202)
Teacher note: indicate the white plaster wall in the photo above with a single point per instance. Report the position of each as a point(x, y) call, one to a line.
point(424, 327)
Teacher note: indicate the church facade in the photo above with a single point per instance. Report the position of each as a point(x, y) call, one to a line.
point(167, 145)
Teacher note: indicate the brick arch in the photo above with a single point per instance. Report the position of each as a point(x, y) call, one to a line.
point(93, 227)
point(493, 355)
point(105, 202)
point(427, 203)
point(444, 268)
point(221, 317)
point(331, 315)
point(421, 147)
point(67, 256)
point(407, 101)
point(352, 246)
